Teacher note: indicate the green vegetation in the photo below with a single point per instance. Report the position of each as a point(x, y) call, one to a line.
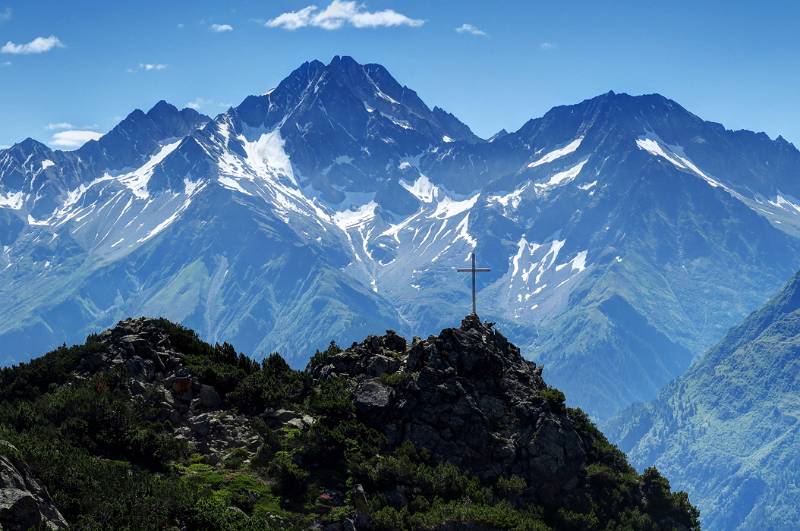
point(110, 460)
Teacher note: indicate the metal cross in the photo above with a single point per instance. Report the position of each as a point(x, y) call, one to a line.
point(473, 270)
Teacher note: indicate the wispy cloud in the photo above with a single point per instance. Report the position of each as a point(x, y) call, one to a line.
point(547, 46)
point(6, 63)
point(37, 45)
point(58, 125)
point(200, 103)
point(73, 139)
point(221, 28)
point(148, 67)
point(471, 30)
point(181, 25)
point(340, 13)
point(6, 14)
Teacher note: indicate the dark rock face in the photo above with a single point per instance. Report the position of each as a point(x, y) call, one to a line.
point(470, 398)
point(157, 377)
point(24, 503)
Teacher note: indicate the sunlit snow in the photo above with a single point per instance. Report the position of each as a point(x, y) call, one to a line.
point(561, 178)
point(447, 208)
point(11, 200)
point(137, 180)
point(352, 218)
point(423, 189)
point(674, 155)
point(558, 153)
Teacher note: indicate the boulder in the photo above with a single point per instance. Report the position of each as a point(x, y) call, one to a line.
point(24, 504)
point(209, 398)
point(372, 396)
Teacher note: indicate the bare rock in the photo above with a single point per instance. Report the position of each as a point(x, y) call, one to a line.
point(24, 504)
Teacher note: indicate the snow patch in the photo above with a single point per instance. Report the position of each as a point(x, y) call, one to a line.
point(511, 199)
point(785, 204)
point(561, 178)
point(47, 163)
point(267, 155)
point(12, 200)
point(423, 189)
point(651, 143)
point(353, 218)
point(558, 153)
point(137, 180)
point(462, 230)
point(447, 208)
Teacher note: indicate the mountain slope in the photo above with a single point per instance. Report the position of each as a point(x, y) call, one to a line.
point(624, 233)
point(728, 430)
point(157, 429)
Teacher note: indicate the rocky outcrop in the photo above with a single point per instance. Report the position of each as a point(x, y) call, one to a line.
point(157, 376)
point(470, 398)
point(24, 503)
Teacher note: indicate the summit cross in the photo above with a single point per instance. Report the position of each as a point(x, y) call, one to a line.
point(473, 270)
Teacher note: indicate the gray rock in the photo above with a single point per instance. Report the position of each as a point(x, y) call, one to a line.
point(201, 425)
point(209, 398)
point(24, 503)
point(372, 396)
point(470, 398)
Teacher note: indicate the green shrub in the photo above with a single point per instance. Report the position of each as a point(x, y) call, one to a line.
point(394, 378)
point(291, 480)
point(511, 487)
point(555, 399)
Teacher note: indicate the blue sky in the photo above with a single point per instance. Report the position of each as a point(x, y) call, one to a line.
point(83, 65)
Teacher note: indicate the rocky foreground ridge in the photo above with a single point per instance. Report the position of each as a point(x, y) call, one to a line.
point(146, 426)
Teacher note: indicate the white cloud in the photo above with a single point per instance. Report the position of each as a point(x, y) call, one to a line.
point(74, 138)
point(546, 46)
point(221, 28)
point(340, 13)
point(197, 103)
point(148, 67)
point(6, 14)
point(180, 25)
point(58, 125)
point(37, 45)
point(472, 30)
point(204, 103)
point(293, 19)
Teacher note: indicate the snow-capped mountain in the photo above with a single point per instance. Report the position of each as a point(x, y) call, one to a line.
point(624, 233)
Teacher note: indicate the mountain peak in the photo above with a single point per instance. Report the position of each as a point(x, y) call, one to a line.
point(162, 107)
point(29, 145)
point(343, 61)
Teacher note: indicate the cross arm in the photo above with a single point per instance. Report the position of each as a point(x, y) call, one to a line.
point(470, 270)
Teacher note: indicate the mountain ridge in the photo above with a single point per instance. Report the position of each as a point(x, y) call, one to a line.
point(617, 210)
point(729, 425)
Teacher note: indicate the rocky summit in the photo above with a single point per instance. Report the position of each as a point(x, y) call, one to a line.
point(146, 426)
point(470, 398)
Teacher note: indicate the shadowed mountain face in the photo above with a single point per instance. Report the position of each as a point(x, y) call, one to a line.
point(624, 233)
point(727, 431)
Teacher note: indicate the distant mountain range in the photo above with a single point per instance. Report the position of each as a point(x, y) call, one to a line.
point(625, 234)
point(727, 431)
